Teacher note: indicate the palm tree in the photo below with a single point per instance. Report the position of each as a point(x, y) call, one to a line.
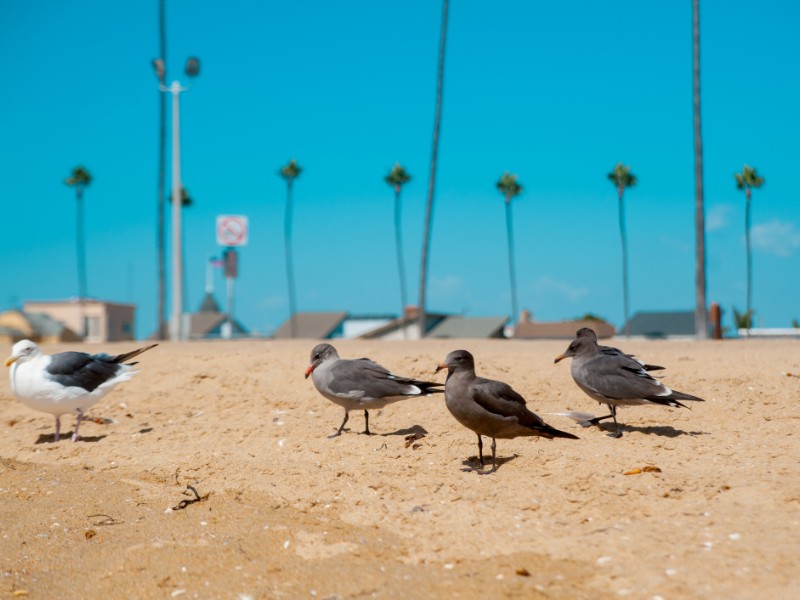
point(700, 312)
point(396, 178)
point(622, 178)
point(747, 180)
point(426, 240)
point(80, 179)
point(160, 64)
point(290, 172)
point(509, 187)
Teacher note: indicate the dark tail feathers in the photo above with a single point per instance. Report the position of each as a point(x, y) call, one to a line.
point(123, 357)
point(672, 399)
point(430, 387)
point(549, 432)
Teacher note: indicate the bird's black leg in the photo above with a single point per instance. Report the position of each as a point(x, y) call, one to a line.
point(341, 427)
point(366, 422)
point(58, 428)
point(617, 433)
point(77, 424)
point(480, 450)
point(494, 462)
point(595, 421)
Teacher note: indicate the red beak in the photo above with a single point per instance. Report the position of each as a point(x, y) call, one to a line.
point(309, 370)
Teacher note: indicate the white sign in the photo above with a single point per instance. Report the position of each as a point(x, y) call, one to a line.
point(232, 230)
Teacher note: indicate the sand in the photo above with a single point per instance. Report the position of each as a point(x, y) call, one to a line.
point(285, 512)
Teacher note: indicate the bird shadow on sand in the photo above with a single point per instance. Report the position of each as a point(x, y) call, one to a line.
point(414, 429)
point(660, 430)
point(473, 464)
point(50, 438)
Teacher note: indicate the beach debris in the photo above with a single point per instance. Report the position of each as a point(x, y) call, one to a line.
point(108, 520)
point(522, 572)
point(795, 375)
point(184, 503)
point(647, 469)
point(577, 416)
point(89, 534)
point(410, 439)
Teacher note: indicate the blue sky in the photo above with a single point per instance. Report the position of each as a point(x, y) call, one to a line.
point(556, 92)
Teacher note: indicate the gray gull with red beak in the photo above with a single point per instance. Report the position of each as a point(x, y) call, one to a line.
point(361, 384)
point(616, 380)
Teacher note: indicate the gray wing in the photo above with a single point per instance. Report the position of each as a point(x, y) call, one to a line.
point(620, 378)
point(78, 369)
point(367, 379)
point(611, 351)
point(502, 400)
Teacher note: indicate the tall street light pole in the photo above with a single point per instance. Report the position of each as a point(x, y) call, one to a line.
point(176, 328)
point(176, 332)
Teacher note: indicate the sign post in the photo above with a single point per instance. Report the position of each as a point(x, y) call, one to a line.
point(232, 230)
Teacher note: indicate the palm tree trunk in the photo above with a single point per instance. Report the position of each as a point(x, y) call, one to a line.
point(81, 256)
point(624, 240)
point(287, 235)
point(700, 310)
point(423, 280)
point(511, 269)
point(162, 145)
point(749, 313)
point(399, 244)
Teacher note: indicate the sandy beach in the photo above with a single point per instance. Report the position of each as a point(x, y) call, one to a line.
point(282, 511)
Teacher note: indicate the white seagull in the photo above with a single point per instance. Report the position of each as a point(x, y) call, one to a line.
point(65, 382)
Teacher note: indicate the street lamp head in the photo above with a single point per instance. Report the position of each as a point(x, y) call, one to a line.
point(192, 66)
point(158, 65)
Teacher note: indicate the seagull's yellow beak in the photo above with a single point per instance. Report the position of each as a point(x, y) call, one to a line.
point(559, 358)
point(11, 360)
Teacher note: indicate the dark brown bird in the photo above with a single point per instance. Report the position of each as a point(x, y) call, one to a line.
point(488, 407)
